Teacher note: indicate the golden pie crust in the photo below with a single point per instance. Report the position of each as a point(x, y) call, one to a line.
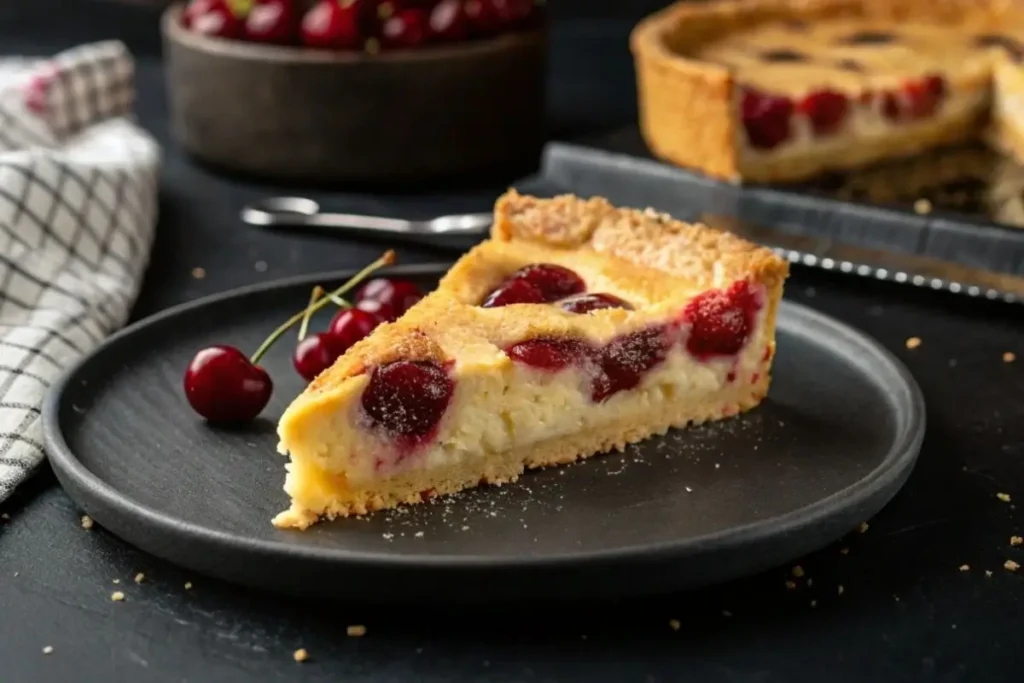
point(691, 64)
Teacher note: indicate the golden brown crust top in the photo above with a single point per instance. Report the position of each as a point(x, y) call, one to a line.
point(649, 259)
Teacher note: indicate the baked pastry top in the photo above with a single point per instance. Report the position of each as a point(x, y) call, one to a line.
point(577, 328)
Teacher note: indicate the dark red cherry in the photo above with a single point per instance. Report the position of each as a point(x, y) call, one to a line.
point(826, 109)
point(314, 354)
point(223, 386)
point(925, 95)
point(554, 282)
point(551, 354)
point(407, 399)
point(332, 24)
point(515, 13)
point(406, 29)
point(349, 326)
point(484, 17)
point(721, 320)
point(766, 117)
point(585, 303)
point(514, 292)
point(399, 294)
point(196, 8)
point(271, 21)
point(623, 363)
point(217, 18)
point(447, 21)
point(383, 312)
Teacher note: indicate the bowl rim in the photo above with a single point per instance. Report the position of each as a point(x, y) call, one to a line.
point(174, 31)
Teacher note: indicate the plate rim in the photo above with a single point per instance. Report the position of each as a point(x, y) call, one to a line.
point(96, 493)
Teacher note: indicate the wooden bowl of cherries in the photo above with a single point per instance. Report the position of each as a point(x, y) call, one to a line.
point(343, 91)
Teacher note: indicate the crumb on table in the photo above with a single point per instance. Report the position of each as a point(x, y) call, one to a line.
point(140, 577)
point(1009, 357)
point(188, 585)
point(791, 585)
point(117, 596)
point(1016, 540)
point(965, 567)
point(863, 527)
point(198, 273)
point(674, 624)
point(300, 655)
point(1005, 497)
point(798, 571)
point(87, 522)
point(913, 342)
point(922, 207)
point(48, 650)
point(1011, 566)
point(356, 631)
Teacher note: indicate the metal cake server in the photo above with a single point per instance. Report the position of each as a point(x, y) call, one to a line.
point(901, 267)
point(305, 213)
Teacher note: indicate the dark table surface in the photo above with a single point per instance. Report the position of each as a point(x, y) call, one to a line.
point(908, 609)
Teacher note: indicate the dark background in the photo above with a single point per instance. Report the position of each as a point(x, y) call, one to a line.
point(907, 612)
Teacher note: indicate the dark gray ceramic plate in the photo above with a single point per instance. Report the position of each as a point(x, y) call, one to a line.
point(835, 440)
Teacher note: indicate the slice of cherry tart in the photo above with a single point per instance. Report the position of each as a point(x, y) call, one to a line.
point(577, 328)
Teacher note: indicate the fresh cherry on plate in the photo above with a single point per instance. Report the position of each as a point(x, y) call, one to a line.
point(271, 21)
point(222, 385)
point(383, 312)
point(314, 354)
point(214, 18)
point(332, 24)
point(400, 295)
point(350, 326)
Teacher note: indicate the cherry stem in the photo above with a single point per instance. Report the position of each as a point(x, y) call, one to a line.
point(386, 260)
point(318, 292)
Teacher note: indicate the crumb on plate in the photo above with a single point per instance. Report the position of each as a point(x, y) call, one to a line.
point(87, 522)
point(140, 577)
point(356, 631)
point(48, 650)
point(1009, 357)
point(198, 273)
point(674, 624)
point(1005, 497)
point(965, 567)
point(798, 571)
point(922, 207)
point(117, 596)
point(300, 655)
point(1016, 540)
point(863, 528)
point(1011, 566)
point(913, 342)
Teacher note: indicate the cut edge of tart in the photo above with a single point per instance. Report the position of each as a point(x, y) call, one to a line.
point(758, 90)
point(635, 323)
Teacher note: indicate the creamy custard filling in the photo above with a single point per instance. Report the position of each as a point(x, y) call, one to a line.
point(510, 405)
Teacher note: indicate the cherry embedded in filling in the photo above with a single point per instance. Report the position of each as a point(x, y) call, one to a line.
point(918, 99)
point(766, 118)
point(721, 320)
point(584, 303)
point(554, 282)
point(407, 399)
point(624, 361)
point(825, 108)
point(514, 292)
point(550, 354)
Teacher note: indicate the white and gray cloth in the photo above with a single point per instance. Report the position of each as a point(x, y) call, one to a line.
point(78, 208)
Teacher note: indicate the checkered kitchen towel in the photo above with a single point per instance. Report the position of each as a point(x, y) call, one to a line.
point(78, 202)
